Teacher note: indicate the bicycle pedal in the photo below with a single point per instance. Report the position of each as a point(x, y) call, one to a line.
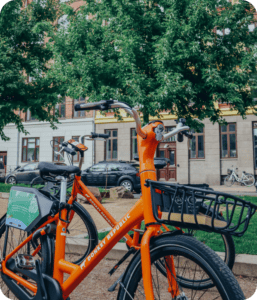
point(25, 261)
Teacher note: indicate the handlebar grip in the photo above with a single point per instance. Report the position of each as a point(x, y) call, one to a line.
point(100, 135)
point(78, 107)
point(180, 137)
point(69, 151)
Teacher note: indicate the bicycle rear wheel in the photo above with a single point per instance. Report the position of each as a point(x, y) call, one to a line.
point(81, 236)
point(193, 261)
point(229, 180)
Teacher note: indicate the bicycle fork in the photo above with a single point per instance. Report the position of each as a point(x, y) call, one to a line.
point(146, 266)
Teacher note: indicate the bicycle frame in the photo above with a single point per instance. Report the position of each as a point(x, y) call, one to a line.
point(237, 177)
point(142, 210)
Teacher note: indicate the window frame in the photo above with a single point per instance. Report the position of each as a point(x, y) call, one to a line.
point(26, 147)
point(228, 140)
point(105, 145)
point(173, 137)
point(131, 142)
point(196, 135)
point(59, 138)
point(58, 108)
point(79, 113)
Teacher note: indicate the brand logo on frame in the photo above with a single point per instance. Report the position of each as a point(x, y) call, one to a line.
point(98, 209)
point(107, 238)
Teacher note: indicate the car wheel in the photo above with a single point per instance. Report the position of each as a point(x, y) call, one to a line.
point(127, 184)
point(11, 180)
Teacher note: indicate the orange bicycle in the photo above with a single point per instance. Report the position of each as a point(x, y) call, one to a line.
point(182, 258)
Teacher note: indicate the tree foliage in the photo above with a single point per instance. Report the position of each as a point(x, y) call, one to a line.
point(164, 56)
point(25, 54)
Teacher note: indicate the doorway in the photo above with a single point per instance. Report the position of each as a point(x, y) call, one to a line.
point(3, 159)
point(168, 173)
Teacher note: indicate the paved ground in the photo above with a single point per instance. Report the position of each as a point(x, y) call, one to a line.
point(95, 286)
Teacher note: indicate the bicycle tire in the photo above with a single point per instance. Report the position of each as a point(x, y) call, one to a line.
point(190, 249)
point(229, 260)
point(253, 180)
point(92, 233)
point(46, 259)
point(229, 182)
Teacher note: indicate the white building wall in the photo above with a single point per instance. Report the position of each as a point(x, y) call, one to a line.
point(42, 130)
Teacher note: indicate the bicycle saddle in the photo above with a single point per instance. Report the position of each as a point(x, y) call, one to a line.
point(49, 169)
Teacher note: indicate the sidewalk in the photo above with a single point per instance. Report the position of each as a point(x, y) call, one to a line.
point(236, 190)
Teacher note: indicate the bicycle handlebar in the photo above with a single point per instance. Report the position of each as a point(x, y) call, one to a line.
point(69, 151)
point(79, 107)
point(110, 104)
point(99, 135)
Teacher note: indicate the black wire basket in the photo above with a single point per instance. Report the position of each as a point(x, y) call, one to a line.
point(201, 209)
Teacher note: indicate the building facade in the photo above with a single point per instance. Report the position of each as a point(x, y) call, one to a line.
point(35, 147)
point(205, 159)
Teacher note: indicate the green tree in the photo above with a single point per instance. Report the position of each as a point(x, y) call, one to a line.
point(24, 53)
point(165, 56)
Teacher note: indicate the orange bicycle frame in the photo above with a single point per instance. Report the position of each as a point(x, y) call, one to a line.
point(142, 210)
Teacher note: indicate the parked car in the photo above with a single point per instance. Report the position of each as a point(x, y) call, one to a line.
point(2, 172)
point(111, 174)
point(25, 174)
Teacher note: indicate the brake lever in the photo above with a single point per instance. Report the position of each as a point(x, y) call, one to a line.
point(60, 152)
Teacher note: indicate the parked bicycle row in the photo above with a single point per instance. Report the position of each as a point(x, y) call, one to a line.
point(168, 259)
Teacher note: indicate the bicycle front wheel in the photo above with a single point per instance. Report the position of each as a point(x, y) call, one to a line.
point(229, 180)
point(192, 261)
point(248, 180)
point(14, 239)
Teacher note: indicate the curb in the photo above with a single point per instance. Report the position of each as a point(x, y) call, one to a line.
point(245, 264)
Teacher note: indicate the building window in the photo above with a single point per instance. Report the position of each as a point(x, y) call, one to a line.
point(29, 116)
point(57, 147)
point(255, 144)
point(169, 129)
point(197, 144)
point(30, 149)
point(77, 156)
point(60, 109)
point(133, 143)
point(82, 113)
point(228, 140)
point(111, 148)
